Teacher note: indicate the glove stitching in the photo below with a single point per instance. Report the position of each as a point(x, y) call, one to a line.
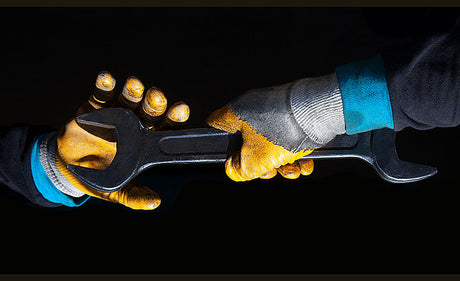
point(47, 154)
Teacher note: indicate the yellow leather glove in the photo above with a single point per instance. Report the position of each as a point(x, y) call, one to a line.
point(78, 147)
point(280, 125)
point(258, 157)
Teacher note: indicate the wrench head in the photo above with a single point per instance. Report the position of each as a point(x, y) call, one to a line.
point(112, 124)
point(389, 166)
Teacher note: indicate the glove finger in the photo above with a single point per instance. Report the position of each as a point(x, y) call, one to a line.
point(224, 119)
point(176, 116)
point(135, 196)
point(232, 168)
point(244, 165)
point(270, 174)
point(237, 170)
point(152, 108)
point(131, 95)
point(306, 166)
point(102, 96)
point(290, 171)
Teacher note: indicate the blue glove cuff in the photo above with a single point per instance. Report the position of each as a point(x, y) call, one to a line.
point(365, 96)
point(44, 184)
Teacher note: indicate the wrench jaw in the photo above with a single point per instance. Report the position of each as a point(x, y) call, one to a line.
point(388, 165)
point(378, 149)
point(115, 124)
point(97, 180)
point(405, 172)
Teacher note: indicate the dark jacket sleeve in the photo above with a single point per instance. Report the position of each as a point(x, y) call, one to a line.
point(423, 81)
point(15, 173)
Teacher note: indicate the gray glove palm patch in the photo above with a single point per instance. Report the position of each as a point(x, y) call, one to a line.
point(301, 115)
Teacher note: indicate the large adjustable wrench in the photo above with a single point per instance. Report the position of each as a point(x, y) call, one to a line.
point(139, 148)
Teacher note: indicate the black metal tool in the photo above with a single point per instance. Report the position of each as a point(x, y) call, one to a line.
point(139, 148)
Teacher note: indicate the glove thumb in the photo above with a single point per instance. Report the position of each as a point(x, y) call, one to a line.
point(224, 119)
point(133, 195)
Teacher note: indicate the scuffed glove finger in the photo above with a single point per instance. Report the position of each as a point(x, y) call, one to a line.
point(294, 170)
point(177, 115)
point(131, 95)
point(306, 167)
point(269, 175)
point(153, 108)
point(290, 171)
point(102, 95)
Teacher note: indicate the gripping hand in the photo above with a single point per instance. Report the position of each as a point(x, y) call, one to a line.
point(280, 125)
point(74, 145)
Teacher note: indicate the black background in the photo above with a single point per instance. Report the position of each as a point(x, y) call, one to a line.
point(341, 219)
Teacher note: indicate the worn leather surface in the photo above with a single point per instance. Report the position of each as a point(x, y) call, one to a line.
point(258, 157)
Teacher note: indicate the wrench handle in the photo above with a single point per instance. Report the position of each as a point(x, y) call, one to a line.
point(209, 145)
